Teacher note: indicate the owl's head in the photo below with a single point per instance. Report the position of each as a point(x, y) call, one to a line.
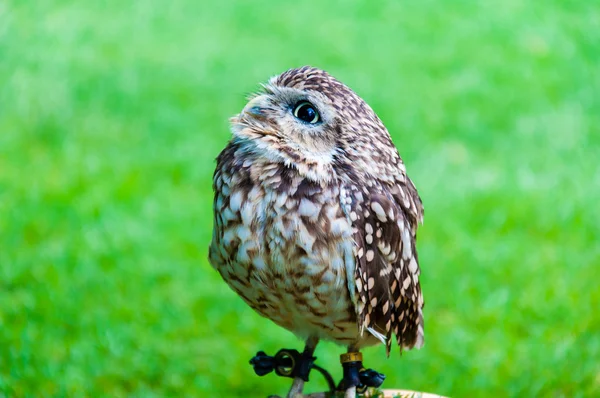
point(309, 120)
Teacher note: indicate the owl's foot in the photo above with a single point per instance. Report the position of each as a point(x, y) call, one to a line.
point(356, 378)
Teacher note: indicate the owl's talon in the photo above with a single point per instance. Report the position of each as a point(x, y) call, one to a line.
point(371, 378)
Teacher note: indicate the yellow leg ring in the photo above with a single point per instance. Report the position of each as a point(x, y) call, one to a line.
point(351, 357)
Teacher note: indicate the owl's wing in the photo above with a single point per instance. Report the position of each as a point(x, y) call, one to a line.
point(384, 219)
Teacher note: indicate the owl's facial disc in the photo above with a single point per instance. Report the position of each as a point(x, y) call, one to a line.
point(303, 120)
point(296, 127)
point(275, 109)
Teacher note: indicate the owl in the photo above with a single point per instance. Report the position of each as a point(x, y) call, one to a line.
point(315, 218)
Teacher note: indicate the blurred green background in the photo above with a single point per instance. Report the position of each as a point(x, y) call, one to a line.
point(111, 115)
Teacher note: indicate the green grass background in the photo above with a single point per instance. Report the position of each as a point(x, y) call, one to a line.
point(111, 115)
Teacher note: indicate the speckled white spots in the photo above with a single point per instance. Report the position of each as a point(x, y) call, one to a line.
point(360, 306)
point(308, 209)
point(360, 253)
point(400, 224)
point(331, 212)
point(328, 277)
point(413, 266)
point(280, 201)
point(359, 197)
point(304, 238)
point(248, 212)
point(255, 195)
point(359, 285)
point(371, 283)
point(353, 216)
point(370, 255)
point(369, 239)
point(376, 207)
point(218, 203)
point(322, 289)
point(235, 201)
point(243, 233)
point(228, 237)
point(340, 227)
point(385, 271)
point(218, 181)
point(259, 263)
point(406, 244)
point(291, 204)
point(385, 248)
point(228, 215)
point(243, 256)
point(225, 190)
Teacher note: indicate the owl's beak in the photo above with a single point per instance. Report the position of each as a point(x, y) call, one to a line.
point(255, 110)
point(255, 107)
point(253, 119)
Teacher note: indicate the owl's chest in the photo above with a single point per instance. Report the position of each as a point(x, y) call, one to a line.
point(287, 252)
point(299, 231)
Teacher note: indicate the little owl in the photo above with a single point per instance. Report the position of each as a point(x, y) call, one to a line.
point(315, 218)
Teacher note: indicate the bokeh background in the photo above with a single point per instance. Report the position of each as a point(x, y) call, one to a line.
point(111, 115)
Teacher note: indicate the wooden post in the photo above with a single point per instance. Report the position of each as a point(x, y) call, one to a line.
point(388, 393)
point(404, 394)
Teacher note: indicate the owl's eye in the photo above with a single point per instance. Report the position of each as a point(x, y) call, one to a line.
point(306, 112)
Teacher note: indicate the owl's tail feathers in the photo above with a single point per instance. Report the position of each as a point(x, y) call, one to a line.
point(420, 333)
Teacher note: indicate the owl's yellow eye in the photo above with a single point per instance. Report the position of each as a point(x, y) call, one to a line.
point(306, 112)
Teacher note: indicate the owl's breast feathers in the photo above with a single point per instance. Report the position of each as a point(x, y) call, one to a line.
point(284, 244)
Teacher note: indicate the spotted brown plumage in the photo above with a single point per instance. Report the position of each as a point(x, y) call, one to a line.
point(315, 218)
